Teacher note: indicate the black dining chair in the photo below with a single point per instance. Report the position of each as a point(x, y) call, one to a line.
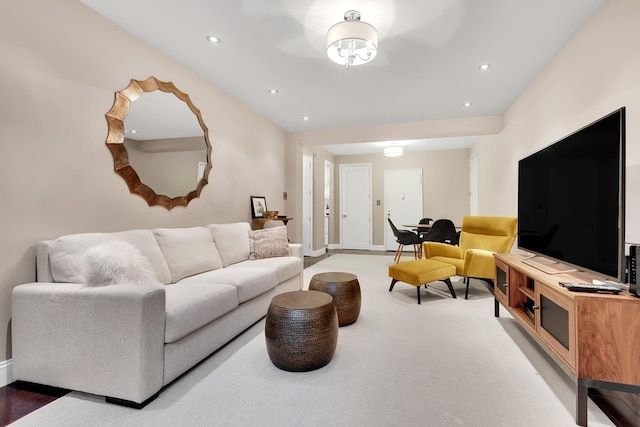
point(423, 230)
point(405, 238)
point(444, 231)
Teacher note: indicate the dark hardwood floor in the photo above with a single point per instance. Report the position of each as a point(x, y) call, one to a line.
point(621, 408)
point(18, 400)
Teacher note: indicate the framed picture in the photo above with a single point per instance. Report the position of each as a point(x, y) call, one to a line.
point(258, 207)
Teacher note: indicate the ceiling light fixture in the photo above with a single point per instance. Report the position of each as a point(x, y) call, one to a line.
point(467, 104)
point(213, 39)
point(393, 151)
point(352, 42)
point(273, 91)
point(484, 66)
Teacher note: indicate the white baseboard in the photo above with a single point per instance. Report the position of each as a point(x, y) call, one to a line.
point(6, 372)
point(338, 246)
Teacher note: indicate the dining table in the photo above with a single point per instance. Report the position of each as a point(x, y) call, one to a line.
point(424, 226)
point(421, 226)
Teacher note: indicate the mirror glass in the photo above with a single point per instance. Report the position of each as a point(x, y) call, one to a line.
point(165, 143)
point(159, 142)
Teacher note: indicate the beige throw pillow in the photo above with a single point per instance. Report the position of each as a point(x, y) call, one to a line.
point(268, 243)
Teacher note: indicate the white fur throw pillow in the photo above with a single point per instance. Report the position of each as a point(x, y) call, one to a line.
point(268, 243)
point(117, 262)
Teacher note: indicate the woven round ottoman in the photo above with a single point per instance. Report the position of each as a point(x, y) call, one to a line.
point(345, 290)
point(301, 330)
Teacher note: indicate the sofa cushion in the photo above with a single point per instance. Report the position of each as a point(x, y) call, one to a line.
point(232, 241)
point(249, 281)
point(190, 306)
point(268, 243)
point(286, 267)
point(67, 260)
point(188, 251)
point(117, 263)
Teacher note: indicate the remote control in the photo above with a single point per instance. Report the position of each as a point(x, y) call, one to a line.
point(588, 287)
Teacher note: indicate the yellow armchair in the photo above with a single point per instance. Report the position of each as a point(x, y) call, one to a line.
point(480, 238)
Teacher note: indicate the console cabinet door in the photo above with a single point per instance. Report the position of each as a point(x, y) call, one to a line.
point(501, 285)
point(555, 323)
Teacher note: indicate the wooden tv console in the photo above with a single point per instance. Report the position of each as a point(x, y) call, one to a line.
point(594, 338)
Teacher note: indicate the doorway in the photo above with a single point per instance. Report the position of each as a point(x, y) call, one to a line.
point(307, 205)
point(328, 204)
point(355, 206)
point(402, 201)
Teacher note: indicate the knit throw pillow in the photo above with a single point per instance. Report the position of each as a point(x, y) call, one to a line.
point(268, 243)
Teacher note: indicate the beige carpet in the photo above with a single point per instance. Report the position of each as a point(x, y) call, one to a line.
point(445, 362)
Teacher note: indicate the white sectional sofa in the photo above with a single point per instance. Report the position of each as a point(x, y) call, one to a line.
point(123, 314)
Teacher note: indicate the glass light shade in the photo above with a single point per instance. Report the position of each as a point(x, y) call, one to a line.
point(393, 151)
point(352, 43)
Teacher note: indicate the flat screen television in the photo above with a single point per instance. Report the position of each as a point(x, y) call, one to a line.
point(571, 201)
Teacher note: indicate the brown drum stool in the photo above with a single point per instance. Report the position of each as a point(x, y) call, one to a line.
point(345, 290)
point(301, 330)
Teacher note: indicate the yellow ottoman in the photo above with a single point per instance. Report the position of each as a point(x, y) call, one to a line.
point(420, 272)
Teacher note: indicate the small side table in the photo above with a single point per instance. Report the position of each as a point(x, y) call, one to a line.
point(301, 330)
point(345, 290)
point(258, 223)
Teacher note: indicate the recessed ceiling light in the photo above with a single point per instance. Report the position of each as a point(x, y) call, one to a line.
point(393, 151)
point(467, 104)
point(273, 91)
point(131, 131)
point(305, 118)
point(213, 39)
point(484, 66)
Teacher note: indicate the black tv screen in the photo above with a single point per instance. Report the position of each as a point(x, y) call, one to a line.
point(571, 198)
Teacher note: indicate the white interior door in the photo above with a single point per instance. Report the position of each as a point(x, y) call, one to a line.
point(402, 201)
point(307, 205)
point(473, 184)
point(355, 206)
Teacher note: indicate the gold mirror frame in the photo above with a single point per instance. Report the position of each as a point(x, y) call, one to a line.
point(115, 141)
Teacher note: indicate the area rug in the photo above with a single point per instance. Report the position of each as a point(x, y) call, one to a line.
point(445, 362)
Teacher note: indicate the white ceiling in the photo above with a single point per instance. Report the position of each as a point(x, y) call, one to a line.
point(426, 68)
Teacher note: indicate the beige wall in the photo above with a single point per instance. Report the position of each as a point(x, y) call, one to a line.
point(61, 64)
point(445, 184)
point(597, 73)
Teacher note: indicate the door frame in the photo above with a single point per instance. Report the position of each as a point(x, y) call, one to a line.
point(473, 184)
point(307, 204)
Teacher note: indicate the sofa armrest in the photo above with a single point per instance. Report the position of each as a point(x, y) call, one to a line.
point(433, 249)
point(479, 263)
point(105, 340)
point(295, 249)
